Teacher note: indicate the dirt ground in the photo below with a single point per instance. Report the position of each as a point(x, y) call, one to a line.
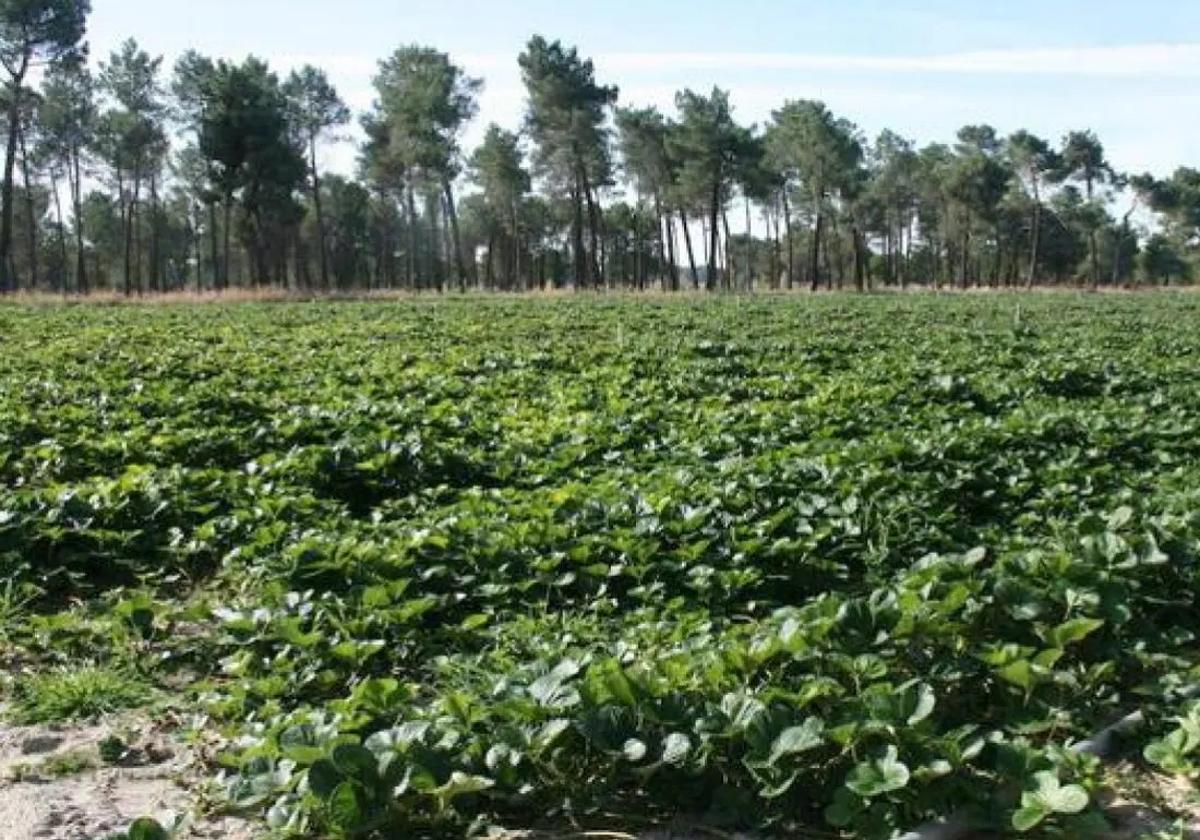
point(55, 786)
point(1147, 805)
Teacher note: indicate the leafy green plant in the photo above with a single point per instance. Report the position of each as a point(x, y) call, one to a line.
point(1176, 832)
point(1179, 750)
point(57, 766)
point(16, 595)
point(143, 828)
point(113, 749)
point(1045, 798)
point(792, 564)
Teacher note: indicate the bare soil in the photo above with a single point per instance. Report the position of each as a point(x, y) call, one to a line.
point(1143, 804)
point(55, 786)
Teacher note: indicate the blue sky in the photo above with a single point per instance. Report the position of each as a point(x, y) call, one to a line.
point(1130, 71)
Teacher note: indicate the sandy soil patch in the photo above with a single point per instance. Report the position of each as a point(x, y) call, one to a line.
point(55, 786)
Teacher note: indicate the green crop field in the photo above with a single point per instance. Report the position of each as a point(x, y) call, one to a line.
point(827, 565)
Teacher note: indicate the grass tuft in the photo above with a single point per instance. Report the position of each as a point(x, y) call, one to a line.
point(88, 692)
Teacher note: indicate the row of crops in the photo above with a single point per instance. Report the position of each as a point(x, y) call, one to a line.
point(840, 566)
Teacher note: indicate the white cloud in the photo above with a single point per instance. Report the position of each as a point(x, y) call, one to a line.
point(1180, 61)
point(1148, 60)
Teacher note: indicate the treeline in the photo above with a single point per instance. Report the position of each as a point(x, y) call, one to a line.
point(205, 176)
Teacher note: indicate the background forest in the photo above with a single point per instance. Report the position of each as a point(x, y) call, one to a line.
point(127, 175)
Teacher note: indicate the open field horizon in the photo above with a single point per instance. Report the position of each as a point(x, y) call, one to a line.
point(270, 294)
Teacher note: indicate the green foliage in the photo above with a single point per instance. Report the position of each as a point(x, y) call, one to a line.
point(429, 566)
point(143, 828)
point(113, 749)
point(15, 598)
point(1179, 750)
point(1047, 798)
point(424, 102)
point(40, 31)
point(77, 693)
point(57, 766)
point(877, 777)
point(246, 135)
point(709, 148)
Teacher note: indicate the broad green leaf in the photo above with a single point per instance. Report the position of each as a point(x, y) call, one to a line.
point(1028, 818)
point(461, 784)
point(346, 809)
point(474, 622)
point(774, 791)
point(1052, 797)
point(844, 809)
point(1023, 674)
point(878, 776)
point(299, 743)
point(146, 828)
point(797, 739)
point(552, 690)
point(1120, 518)
point(380, 694)
point(923, 704)
point(1073, 631)
point(356, 762)
point(323, 778)
point(608, 679)
point(1172, 752)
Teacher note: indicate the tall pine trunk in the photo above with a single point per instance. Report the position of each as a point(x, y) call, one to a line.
point(730, 275)
point(7, 280)
point(749, 249)
point(490, 268)
point(61, 280)
point(791, 250)
point(1093, 242)
point(1036, 236)
point(214, 248)
point(638, 250)
point(413, 246)
point(31, 211)
point(578, 255)
point(127, 229)
point(859, 278)
point(520, 271)
point(966, 254)
point(155, 237)
point(194, 245)
point(81, 282)
point(226, 234)
point(691, 254)
point(829, 272)
point(459, 263)
point(814, 257)
point(136, 225)
point(672, 264)
point(316, 194)
point(1120, 238)
point(594, 222)
point(714, 267)
point(776, 247)
point(661, 244)
point(433, 245)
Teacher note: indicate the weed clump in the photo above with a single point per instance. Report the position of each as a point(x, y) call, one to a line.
point(78, 694)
